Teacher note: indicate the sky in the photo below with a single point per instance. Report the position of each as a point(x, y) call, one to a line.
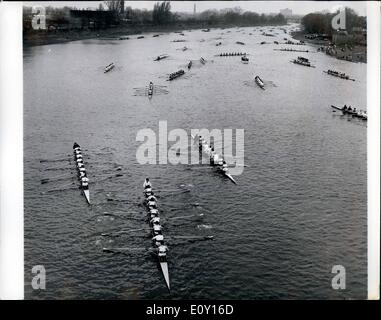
point(297, 7)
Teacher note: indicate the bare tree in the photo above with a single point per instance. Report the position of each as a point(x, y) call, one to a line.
point(117, 7)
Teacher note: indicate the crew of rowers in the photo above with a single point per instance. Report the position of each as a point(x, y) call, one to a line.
point(338, 74)
point(82, 175)
point(232, 54)
point(245, 58)
point(303, 59)
point(359, 113)
point(215, 159)
point(176, 74)
point(151, 201)
point(150, 88)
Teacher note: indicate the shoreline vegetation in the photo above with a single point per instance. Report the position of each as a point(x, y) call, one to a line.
point(115, 22)
point(32, 39)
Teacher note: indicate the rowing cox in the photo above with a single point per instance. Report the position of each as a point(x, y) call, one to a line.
point(225, 173)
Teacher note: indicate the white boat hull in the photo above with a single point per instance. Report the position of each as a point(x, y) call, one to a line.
point(164, 270)
point(87, 195)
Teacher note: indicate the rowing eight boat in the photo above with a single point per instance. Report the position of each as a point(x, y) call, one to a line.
point(225, 173)
point(162, 258)
point(85, 189)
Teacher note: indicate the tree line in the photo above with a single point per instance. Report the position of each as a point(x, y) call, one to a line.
point(322, 22)
point(160, 15)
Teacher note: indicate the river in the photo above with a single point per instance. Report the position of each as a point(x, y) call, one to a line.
point(298, 209)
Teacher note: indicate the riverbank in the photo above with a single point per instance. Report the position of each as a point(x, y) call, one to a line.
point(38, 38)
point(352, 53)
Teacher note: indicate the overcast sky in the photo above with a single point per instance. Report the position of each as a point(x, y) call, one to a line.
point(297, 7)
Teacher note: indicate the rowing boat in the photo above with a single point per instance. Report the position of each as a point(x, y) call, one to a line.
point(360, 114)
point(338, 75)
point(259, 82)
point(85, 190)
point(303, 63)
point(162, 258)
point(161, 57)
point(225, 173)
point(176, 74)
point(109, 67)
point(150, 89)
point(245, 59)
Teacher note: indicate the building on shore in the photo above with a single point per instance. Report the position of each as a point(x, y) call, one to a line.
point(90, 19)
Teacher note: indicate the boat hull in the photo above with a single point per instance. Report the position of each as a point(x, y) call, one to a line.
point(165, 272)
point(87, 195)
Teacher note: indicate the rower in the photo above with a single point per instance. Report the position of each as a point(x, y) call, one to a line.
point(152, 204)
point(158, 240)
point(155, 220)
point(85, 183)
point(224, 166)
point(151, 197)
point(215, 159)
point(345, 107)
point(154, 212)
point(162, 250)
point(147, 192)
point(354, 109)
point(349, 108)
point(156, 229)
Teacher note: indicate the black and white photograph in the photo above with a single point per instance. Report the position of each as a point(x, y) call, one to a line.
point(200, 150)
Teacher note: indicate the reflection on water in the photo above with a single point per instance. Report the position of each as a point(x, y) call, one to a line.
point(298, 208)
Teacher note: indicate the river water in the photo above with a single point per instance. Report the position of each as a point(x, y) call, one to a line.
point(298, 209)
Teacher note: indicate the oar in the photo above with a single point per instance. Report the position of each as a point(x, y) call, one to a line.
point(56, 160)
point(106, 234)
point(185, 217)
point(194, 237)
point(123, 249)
point(56, 178)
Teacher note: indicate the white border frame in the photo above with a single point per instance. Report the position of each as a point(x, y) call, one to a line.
point(373, 144)
point(11, 142)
